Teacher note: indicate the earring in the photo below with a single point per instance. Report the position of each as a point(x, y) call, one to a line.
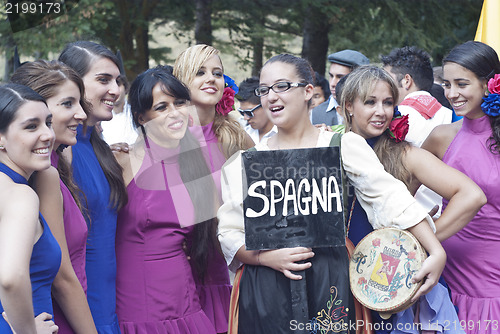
point(1, 147)
point(350, 115)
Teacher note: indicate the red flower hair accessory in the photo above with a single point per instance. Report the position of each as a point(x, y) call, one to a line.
point(398, 129)
point(226, 103)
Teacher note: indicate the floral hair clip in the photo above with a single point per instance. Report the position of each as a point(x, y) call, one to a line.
point(491, 103)
point(398, 129)
point(226, 103)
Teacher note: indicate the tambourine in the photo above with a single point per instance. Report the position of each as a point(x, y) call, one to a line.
point(382, 267)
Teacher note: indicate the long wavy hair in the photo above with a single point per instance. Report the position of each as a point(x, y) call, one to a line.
point(359, 84)
point(79, 56)
point(46, 78)
point(228, 131)
point(192, 164)
point(482, 60)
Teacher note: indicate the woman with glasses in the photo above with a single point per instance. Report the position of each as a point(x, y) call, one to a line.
point(200, 69)
point(265, 301)
point(258, 126)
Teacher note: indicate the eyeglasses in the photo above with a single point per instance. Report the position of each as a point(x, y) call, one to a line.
point(278, 87)
point(249, 112)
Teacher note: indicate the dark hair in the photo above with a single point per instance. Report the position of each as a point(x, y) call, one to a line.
point(413, 61)
point(79, 56)
point(46, 77)
point(302, 66)
point(246, 91)
point(438, 92)
point(320, 81)
point(12, 97)
point(140, 96)
point(192, 164)
point(482, 60)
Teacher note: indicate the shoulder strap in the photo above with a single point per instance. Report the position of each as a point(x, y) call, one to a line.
point(336, 142)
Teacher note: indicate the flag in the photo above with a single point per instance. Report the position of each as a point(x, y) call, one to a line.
point(488, 28)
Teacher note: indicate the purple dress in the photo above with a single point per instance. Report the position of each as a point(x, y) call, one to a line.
point(156, 292)
point(75, 230)
point(215, 291)
point(472, 270)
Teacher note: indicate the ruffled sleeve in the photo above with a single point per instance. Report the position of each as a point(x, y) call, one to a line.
point(386, 200)
point(231, 231)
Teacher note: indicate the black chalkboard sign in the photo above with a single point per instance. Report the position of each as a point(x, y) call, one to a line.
point(293, 198)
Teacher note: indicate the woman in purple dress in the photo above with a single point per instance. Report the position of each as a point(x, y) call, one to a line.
point(471, 73)
point(63, 90)
point(29, 254)
point(170, 192)
point(220, 136)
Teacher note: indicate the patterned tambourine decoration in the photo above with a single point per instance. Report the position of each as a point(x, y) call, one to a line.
point(381, 270)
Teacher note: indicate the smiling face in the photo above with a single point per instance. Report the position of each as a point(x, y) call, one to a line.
point(207, 86)
point(167, 120)
point(284, 109)
point(101, 89)
point(372, 117)
point(464, 90)
point(29, 139)
point(67, 113)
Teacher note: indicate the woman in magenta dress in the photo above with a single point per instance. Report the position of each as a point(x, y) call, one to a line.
point(471, 71)
point(170, 193)
point(220, 136)
point(29, 254)
point(63, 90)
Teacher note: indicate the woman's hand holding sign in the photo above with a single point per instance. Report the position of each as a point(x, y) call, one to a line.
point(286, 260)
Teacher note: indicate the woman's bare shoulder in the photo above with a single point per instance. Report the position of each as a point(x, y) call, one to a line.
point(441, 137)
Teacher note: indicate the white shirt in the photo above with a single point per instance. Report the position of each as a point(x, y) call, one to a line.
point(254, 133)
point(120, 128)
point(385, 199)
point(420, 127)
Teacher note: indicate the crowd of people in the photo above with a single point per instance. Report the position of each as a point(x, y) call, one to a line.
point(122, 204)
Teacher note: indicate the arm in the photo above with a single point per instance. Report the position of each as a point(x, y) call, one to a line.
point(19, 229)
point(465, 197)
point(231, 231)
point(388, 202)
point(66, 289)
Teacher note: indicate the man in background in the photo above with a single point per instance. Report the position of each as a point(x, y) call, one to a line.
point(342, 63)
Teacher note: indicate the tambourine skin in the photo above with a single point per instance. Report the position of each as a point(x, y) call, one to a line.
point(381, 269)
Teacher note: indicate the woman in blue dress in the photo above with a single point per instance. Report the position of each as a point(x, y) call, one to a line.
point(97, 173)
point(29, 254)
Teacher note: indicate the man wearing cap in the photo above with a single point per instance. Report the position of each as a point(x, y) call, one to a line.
point(342, 63)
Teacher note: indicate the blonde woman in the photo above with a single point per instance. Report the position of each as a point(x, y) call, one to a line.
point(200, 69)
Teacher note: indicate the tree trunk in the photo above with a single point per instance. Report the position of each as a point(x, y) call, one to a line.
point(315, 38)
point(258, 54)
point(203, 28)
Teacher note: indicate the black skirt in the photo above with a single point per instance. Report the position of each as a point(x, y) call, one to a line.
point(265, 302)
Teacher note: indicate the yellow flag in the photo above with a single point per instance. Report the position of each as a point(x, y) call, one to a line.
point(488, 28)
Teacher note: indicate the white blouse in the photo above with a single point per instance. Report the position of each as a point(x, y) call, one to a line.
point(385, 199)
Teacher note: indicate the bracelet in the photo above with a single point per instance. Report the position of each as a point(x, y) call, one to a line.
point(258, 258)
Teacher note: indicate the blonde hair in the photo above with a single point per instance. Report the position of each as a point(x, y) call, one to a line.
point(228, 131)
point(359, 84)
